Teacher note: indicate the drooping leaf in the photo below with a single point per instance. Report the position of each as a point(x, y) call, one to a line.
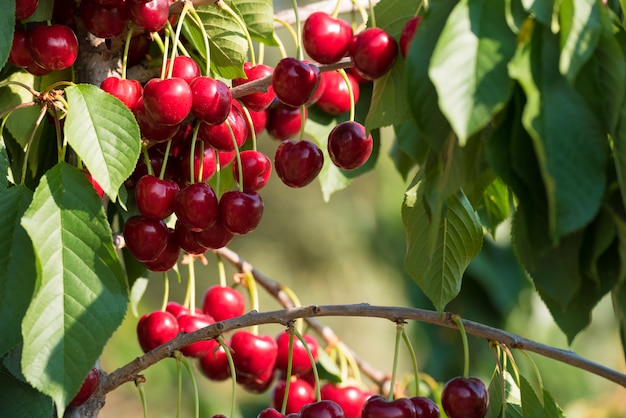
point(7, 23)
point(17, 265)
point(104, 134)
point(511, 396)
point(22, 121)
point(598, 238)
point(476, 39)
point(569, 142)
point(438, 269)
point(531, 405)
point(258, 16)
point(391, 15)
point(81, 293)
point(495, 206)
point(389, 104)
point(550, 408)
point(422, 95)
point(543, 10)
point(17, 399)
point(580, 33)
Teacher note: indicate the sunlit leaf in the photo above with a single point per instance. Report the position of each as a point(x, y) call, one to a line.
point(258, 16)
point(495, 205)
point(81, 294)
point(21, 122)
point(389, 100)
point(391, 15)
point(580, 33)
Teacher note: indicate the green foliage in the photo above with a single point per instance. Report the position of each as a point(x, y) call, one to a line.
point(20, 400)
point(6, 29)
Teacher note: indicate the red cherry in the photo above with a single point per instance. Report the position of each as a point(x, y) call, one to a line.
point(322, 409)
point(168, 101)
point(151, 16)
point(20, 54)
point(151, 130)
point(155, 197)
point(373, 52)
point(145, 238)
point(196, 206)
point(283, 121)
point(425, 408)
point(260, 100)
point(223, 303)
point(218, 136)
point(259, 121)
point(270, 413)
point(138, 49)
point(300, 394)
point(189, 323)
point(211, 100)
point(187, 239)
point(95, 184)
point(37, 70)
point(379, 407)
point(176, 308)
point(103, 21)
point(128, 91)
point(295, 81)
point(256, 169)
point(325, 38)
point(256, 384)
point(168, 257)
point(203, 156)
point(253, 355)
point(25, 8)
point(335, 98)
point(214, 364)
point(297, 163)
point(240, 212)
point(214, 237)
point(300, 363)
point(54, 47)
point(156, 328)
point(350, 398)
point(349, 146)
point(408, 32)
point(184, 67)
point(87, 388)
point(465, 398)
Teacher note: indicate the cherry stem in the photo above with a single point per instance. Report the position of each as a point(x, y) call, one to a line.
point(194, 383)
point(496, 350)
point(166, 291)
point(344, 75)
point(281, 46)
point(17, 83)
point(218, 174)
point(7, 112)
point(372, 14)
point(166, 46)
point(179, 375)
point(296, 302)
point(361, 10)
point(242, 25)
point(192, 153)
point(290, 331)
point(221, 271)
point(302, 121)
point(291, 31)
point(254, 296)
point(250, 125)
point(57, 129)
point(29, 144)
point(459, 323)
point(537, 373)
point(168, 146)
point(409, 346)
point(233, 375)
point(261, 54)
point(142, 395)
point(191, 283)
point(296, 13)
point(129, 37)
point(146, 160)
point(179, 26)
point(318, 393)
point(335, 12)
point(396, 354)
point(205, 38)
point(237, 154)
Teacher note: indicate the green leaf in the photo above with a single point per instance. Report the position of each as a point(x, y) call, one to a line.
point(7, 24)
point(104, 134)
point(17, 265)
point(22, 121)
point(389, 104)
point(531, 405)
point(136, 293)
point(228, 44)
point(550, 408)
point(438, 271)
point(618, 297)
point(81, 294)
point(422, 95)
point(328, 369)
point(476, 39)
point(543, 10)
point(511, 397)
point(258, 16)
point(4, 165)
point(494, 206)
point(391, 15)
point(17, 399)
point(598, 238)
point(569, 141)
point(580, 33)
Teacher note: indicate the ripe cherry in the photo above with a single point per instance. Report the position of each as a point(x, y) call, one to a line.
point(350, 398)
point(214, 364)
point(270, 413)
point(184, 67)
point(156, 328)
point(214, 237)
point(168, 257)
point(300, 394)
point(259, 121)
point(145, 238)
point(176, 308)
point(253, 354)
point(297, 163)
point(151, 16)
point(190, 323)
point(349, 146)
point(150, 129)
point(295, 81)
point(256, 384)
point(408, 32)
point(103, 21)
point(187, 239)
point(20, 54)
point(223, 302)
point(87, 388)
point(300, 362)
point(203, 157)
point(128, 91)
point(25, 8)
point(260, 100)
point(196, 206)
point(325, 38)
point(155, 197)
point(425, 408)
point(321, 409)
point(240, 212)
point(373, 52)
point(465, 398)
point(218, 136)
point(54, 47)
point(167, 102)
point(256, 168)
point(283, 121)
point(379, 407)
point(211, 100)
point(335, 98)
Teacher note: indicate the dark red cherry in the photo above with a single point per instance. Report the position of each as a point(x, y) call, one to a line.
point(253, 354)
point(87, 388)
point(219, 137)
point(214, 364)
point(325, 38)
point(373, 52)
point(425, 408)
point(128, 91)
point(155, 197)
point(211, 100)
point(168, 257)
point(300, 363)
point(196, 206)
point(270, 413)
point(145, 238)
point(379, 407)
point(150, 129)
point(223, 302)
point(168, 101)
point(256, 384)
point(184, 67)
point(300, 394)
point(350, 398)
point(103, 21)
point(256, 169)
point(138, 49)
point(297, 163)
point(321, 409)
point(25, 8)
point(259, 121)
point(349, 146)
point(20, 54)
point(260, 100)
point(240, 212)
point(214, 237)
point(295, 81)
point(53, 47)
point(189, 323)
point(335, 98)
point(465, 398)
point(408, 32)
point(187, 239)
point(203, 157)
point(156, 328)
point(151, 16)
point(284, 122)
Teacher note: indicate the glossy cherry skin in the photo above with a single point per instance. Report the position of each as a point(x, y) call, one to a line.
point(325, 38)
point(187, 239)
point(373, 52)
point(295, 81)
point(214, 364)
point(155, 197)
point(214, 237)
point(156, 328)
point(223, 302)
point(425, 408)
point(260, 100)
point(54, 47)
point(145, 238)
point(20, 54)
point(168, 257)
point(151, 16)
point(335, 98)
point(297, 163)
point(270, 413)
point(465, 398)
point(283, 121)
point(168, 101)
point(257, 384)
point(300, 362)
point(349, 146)
point(190, 323)
point(211, 100)
point(176, 308)
point(350, 398)
point(87, 388)
point(203, 156)
point(322, 409)
point(218, 136)
point(300, 394)
point(150, 129)
point(253, 355)
point(103, 21)
point(256, 168)
point(184, 67)
point(240, 212)
point(25, 8)
point(196, 206)
point(379, 407)
point(408, 32)
point(259, 121)
point(128, 91)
